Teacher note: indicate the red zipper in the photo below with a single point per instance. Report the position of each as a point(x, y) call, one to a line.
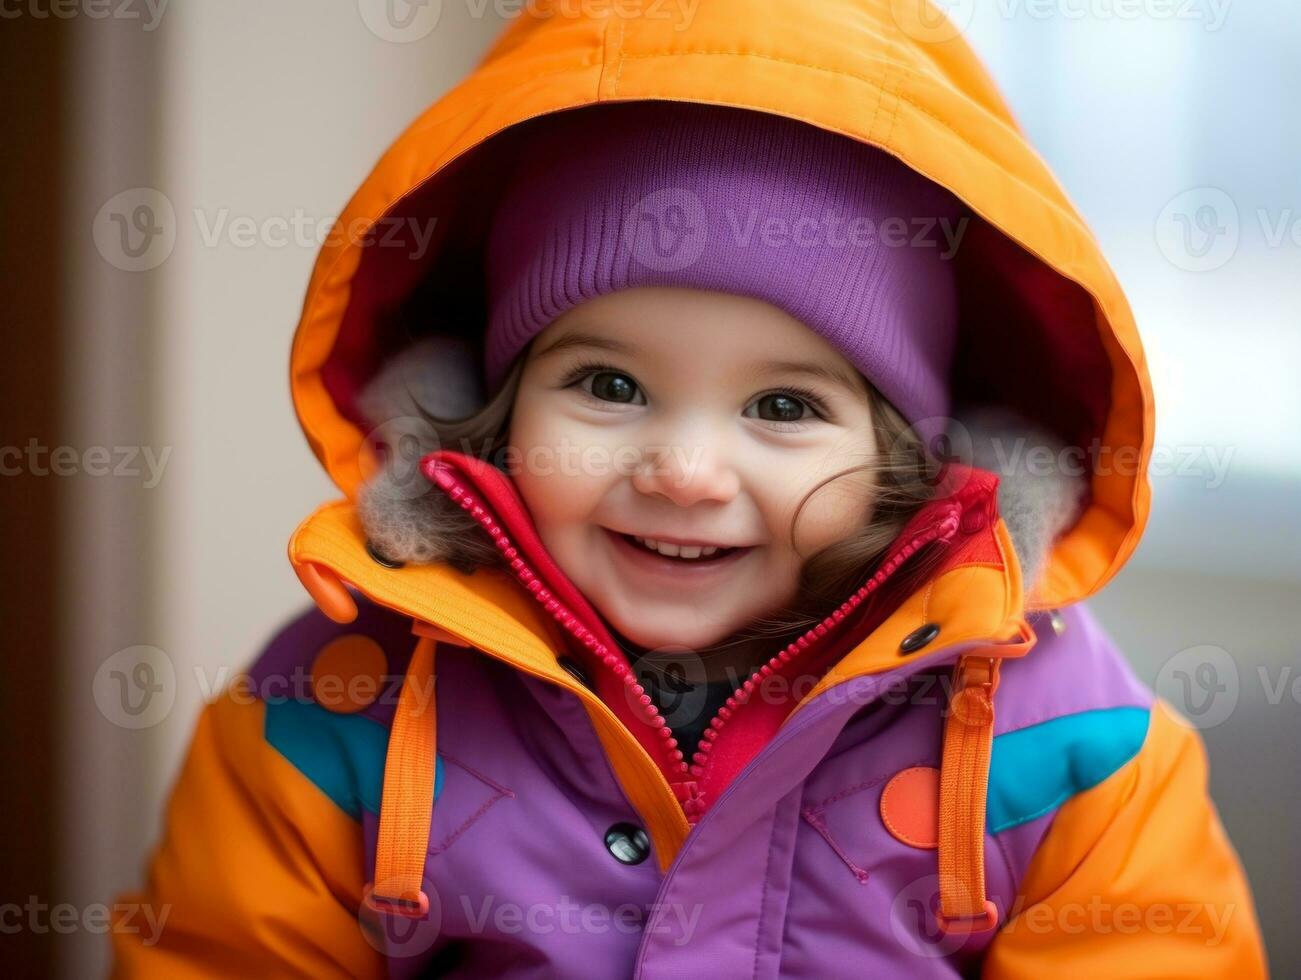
point(685, 776)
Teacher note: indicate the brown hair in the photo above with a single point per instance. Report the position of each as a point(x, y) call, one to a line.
point(904, 475)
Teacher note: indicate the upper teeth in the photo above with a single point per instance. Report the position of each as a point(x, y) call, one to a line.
point(677, 551)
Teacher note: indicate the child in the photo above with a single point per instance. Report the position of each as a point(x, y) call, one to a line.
point(749, 659)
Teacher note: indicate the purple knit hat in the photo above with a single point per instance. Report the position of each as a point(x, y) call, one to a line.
point(839, 234)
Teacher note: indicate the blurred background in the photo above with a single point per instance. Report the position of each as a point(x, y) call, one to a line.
point(153, 469)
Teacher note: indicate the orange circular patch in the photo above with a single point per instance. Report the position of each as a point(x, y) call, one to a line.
point(910, 807)
point(348, 673)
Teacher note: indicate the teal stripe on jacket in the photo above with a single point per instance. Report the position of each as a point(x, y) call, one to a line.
point(1035, 770)
point(342, 754)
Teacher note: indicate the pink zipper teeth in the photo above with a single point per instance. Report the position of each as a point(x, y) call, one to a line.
point(694, 803)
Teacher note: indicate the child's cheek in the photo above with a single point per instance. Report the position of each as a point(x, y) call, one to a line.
point(836, 507)
point(560, 468)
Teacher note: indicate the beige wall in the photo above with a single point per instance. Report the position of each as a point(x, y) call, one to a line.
point(237, 109)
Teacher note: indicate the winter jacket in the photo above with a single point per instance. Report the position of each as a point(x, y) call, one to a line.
point(440, 773)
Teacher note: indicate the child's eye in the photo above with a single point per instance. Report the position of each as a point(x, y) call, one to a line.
point(784, 406)
point(604, 384)
point(610, 386)
point(780, 408)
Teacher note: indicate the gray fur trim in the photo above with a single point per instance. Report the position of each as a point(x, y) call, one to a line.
point(437, 376)
point(1037, 499)
point(405, 518)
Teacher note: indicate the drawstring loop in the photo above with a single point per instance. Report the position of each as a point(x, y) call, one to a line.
point(964, 783)
point(407, 804)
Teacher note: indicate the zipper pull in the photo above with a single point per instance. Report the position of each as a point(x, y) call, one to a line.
point(974, 682)
point(688, 793)
point(964, 777)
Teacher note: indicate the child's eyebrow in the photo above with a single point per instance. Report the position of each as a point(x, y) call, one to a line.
point(580, 339)
point(851, 382)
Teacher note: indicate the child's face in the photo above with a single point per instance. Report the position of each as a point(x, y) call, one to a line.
point(695, 419)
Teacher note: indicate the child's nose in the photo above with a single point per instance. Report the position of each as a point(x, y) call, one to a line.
point(686, 474)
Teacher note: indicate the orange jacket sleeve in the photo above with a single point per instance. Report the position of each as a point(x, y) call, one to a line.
point(1135, 878)
point(258, 872)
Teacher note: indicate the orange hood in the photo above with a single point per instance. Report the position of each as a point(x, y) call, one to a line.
point(1046, 330)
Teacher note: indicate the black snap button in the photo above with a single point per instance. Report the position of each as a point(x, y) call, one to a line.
point(575, 671)
point(628, 843)
point(919, 637)
point(381, 559)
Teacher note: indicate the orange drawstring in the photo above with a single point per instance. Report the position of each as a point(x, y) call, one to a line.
point(964, 776)
point(964, 782)
point(407, 805)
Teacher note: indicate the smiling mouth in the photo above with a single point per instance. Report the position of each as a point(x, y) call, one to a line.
point(686, 554)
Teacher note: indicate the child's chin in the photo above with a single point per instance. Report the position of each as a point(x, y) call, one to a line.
point(652, 634)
